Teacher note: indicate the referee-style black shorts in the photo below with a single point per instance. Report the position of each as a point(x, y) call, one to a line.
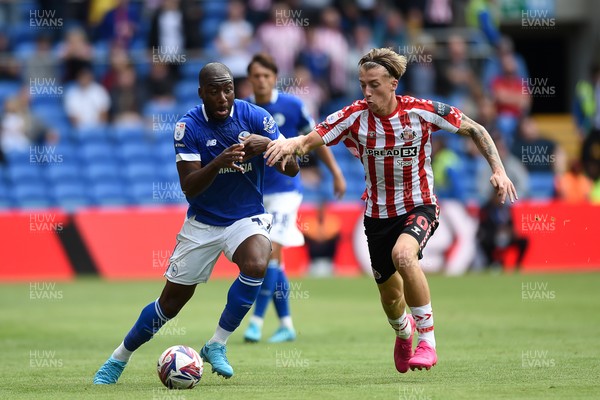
point(382, 234)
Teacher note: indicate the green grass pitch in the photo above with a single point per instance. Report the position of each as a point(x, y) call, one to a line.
point(499, 337)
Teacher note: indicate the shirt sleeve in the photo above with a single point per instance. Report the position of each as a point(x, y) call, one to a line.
point(335, 127)
point(186, 145)
point(439, 115)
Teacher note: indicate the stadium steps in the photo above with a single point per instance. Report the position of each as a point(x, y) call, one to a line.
point(561, 129)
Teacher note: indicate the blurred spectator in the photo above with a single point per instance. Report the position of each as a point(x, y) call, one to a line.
point(514, 169)
point(535, 153)
point(360, 44)
point(392, 32)
point(282, 38)
point(332, 41)
point(438, 13)
point(494, 65)
point(497, 233)
point(310, 92)
point(127, 97)
point(118, 25)
point(19, 128)
point(484, 15)
point(174, 25)
point(258, 11)
point(573, 186)
point(422, 73)
point(445, 165)
point(42, 63)
point(160, 83)
point(234, 39)
point(459, 76)
point(119, 61)
point(315, 59)
point(9, 67)
point(322, 233)
point(87, 102)
point(76, 54)
point(511, 97)
point(587, 113)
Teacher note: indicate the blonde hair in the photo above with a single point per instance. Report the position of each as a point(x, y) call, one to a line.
point(394, 63)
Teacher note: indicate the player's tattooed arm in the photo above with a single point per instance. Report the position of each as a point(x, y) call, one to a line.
point(499, 180)
point(483, 140)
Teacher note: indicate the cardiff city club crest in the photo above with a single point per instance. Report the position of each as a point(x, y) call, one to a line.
point(408, 134)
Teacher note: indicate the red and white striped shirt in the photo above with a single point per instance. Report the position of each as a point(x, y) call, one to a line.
point(395, 150)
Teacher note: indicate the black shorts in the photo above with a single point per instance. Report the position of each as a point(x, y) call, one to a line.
point(382, 234)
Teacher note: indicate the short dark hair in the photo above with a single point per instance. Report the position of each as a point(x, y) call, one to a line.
point(265, 60)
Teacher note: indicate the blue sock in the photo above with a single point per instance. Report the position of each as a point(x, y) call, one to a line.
point(240, 298)
point(281, 297)
point(150, 321)
point(267, 289)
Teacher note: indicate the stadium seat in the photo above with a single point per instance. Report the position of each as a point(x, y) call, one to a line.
point(135, 151)
point(128, 133)
point(541, 185)
point(108, 194)
point(140, 171)
point(17, 173)
point(8, 89)
point(96, 152)
point(70, 196)
point(142, 193)
point(91, 134)
point(62, 172)
point(102, 171)
point(30, 195)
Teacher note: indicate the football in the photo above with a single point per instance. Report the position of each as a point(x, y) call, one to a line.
point(180, 367)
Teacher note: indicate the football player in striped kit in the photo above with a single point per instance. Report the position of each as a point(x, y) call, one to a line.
point(391, 135)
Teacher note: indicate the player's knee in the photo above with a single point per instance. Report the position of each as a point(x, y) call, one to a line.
point(254, 268)
point(404, 257)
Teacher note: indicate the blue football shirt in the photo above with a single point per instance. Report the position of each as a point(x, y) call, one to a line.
point(292, 119)
point(232, 195)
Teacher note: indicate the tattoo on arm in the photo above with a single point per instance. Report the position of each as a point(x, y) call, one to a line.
point(483, 140)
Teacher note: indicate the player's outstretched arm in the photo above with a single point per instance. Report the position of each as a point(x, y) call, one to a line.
point(196, 178)
point(299, 145)
point(499, 180)
point(339, 183)
point(257, 144)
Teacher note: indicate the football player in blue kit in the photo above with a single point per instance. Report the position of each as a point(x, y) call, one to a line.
point(282, 196)
point(221, 173)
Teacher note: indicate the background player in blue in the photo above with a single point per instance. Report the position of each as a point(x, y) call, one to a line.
point(282, 196)
point(223, 182)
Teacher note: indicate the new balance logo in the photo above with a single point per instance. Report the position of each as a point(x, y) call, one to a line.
point(211, 142)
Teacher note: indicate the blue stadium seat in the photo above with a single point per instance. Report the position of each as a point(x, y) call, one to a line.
point(5, 188)
point(70, 196)
point(140, 171)
point(96, 152)
point(108, 194)
point(102, 171)
point(8, 89)
point(541, 185)
point(142, 193)
point(129, 133)
point(30, 195)
point(17, 173)
point(190, 70)
point(91, 134)
point(135, 151)
point(187, 90)
point(164, 151)
point(62, 172)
